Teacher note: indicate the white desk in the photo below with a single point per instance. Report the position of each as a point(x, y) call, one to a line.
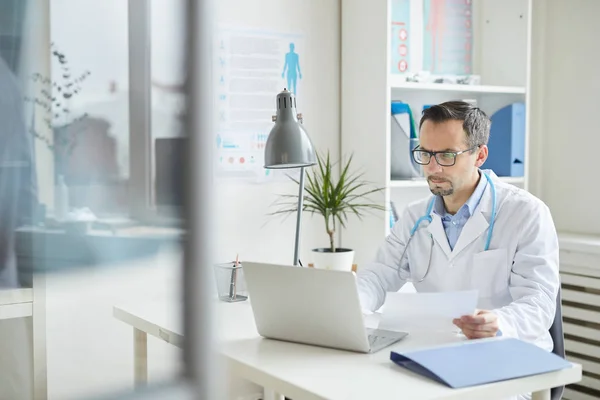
point(308, 372)
point(24, 303)
point(16, 303)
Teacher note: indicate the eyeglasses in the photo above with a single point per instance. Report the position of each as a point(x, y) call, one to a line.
point(443, 158)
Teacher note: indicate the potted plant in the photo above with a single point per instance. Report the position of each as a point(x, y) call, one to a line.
point(334, 200)
point(54, 99)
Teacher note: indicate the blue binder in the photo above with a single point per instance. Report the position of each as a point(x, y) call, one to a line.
point(403, 138)
point(479, 362)
point(507, 141)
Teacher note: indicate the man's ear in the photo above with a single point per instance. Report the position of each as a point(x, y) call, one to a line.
point(482, 155)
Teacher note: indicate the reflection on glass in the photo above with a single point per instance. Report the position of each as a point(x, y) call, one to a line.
point(168, 105)
point(17, 199)
point(75, 257)
point(93, 151)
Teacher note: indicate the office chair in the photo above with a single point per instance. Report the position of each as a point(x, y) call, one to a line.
point(558, 337)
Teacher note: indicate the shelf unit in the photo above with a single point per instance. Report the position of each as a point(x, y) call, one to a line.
point(501, 57)
point(398, 85)
point(421, 183)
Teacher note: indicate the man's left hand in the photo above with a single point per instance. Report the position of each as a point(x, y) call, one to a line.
point(482, 324)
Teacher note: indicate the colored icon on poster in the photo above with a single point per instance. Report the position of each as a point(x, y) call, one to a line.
point(402, 50)
point(402, 66)
point(400, 53)
point(292, 65)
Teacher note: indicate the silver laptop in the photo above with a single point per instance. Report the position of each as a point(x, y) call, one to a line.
point(311, 306)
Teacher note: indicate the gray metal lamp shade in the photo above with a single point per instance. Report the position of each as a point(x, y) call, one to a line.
point(288, 144)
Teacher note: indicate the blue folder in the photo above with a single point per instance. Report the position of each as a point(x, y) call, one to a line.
point(479, 362)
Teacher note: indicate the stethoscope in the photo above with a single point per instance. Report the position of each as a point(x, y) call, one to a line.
point(427, 217)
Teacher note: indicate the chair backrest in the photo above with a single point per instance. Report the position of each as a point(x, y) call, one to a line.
point(558, 337)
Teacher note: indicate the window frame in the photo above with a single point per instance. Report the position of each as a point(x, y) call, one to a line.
point(142, 205)
point(140, 185)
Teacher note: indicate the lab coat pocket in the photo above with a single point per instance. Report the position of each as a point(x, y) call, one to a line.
point(489, 272)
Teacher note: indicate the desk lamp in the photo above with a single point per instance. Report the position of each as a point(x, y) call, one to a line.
point(288, 146)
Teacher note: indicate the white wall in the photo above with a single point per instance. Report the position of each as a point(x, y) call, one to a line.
point(244, 226)
point(88, 350)
point(570, 99)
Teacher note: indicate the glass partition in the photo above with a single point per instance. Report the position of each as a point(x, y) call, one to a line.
point(93, 229)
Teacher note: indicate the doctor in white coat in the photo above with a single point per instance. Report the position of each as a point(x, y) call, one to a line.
point(476, 232)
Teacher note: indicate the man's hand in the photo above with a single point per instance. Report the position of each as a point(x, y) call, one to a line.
point(482, 324)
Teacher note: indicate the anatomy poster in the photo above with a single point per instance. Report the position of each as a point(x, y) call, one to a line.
point(251, 68)
point(400, 51)
point(448, 34)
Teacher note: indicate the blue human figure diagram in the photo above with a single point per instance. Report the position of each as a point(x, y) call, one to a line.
point(292, 63)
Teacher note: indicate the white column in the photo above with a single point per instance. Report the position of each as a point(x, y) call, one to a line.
point(36, 58)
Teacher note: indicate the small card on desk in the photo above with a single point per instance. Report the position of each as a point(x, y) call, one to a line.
point(480, 362)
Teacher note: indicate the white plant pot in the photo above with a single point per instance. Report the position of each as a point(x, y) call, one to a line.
point(341, 260)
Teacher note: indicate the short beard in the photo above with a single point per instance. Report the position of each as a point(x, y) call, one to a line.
point(438, 191)
point(442, 192)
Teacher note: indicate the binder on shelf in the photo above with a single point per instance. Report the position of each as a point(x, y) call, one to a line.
point(479, 362)
point(507, 141)
point(403, 140)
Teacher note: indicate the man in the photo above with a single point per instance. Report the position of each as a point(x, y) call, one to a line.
point(507, 250)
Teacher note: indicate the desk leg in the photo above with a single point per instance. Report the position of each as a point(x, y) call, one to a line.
point(269, 394)
point(38, 320)
point(140, 357)
point(541, 395)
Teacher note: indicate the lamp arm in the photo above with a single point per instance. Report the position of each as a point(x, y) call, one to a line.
point(299, 217)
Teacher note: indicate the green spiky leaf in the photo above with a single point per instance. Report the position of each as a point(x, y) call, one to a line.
point(335, 201)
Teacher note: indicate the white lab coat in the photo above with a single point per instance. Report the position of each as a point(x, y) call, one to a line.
point(517, 277)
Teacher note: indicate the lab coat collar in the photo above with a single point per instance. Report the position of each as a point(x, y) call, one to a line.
point(436, 230)
point(475, 226)
point(479, 222)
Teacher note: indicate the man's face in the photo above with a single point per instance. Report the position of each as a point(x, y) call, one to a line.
point(449, 136)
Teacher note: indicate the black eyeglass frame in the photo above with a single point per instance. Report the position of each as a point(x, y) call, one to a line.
point(435, 153)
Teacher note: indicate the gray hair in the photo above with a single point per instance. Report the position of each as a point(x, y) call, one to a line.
point(476, 123)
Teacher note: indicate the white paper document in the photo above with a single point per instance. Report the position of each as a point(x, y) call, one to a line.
point(414, 312)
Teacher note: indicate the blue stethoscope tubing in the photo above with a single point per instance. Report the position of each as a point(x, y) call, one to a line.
point(427, 217)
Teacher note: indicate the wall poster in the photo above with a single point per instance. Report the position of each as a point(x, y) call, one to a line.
point(250, 68)
point(447, 37)
point(400, 51)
